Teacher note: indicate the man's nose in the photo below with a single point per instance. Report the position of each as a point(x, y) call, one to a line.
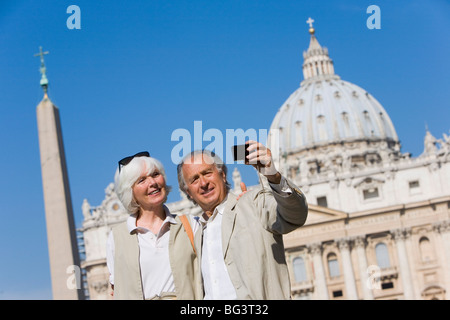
point(203, 181)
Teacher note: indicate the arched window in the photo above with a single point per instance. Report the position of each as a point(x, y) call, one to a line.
point(382, 254)
point(333, 265)
point(426, 251)
point(299, 269)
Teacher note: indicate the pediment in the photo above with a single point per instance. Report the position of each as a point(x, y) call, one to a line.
point(318, 214)
point(368, 181)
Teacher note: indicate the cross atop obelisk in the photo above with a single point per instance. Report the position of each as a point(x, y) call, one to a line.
point(44, 80)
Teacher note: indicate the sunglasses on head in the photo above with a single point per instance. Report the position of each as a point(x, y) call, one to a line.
point(127, 160)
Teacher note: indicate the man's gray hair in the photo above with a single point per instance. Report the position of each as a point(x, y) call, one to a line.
point(220, 165)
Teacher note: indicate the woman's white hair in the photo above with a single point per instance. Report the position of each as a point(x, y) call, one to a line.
point(125, 178)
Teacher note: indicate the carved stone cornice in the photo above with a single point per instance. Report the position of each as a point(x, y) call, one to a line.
point(303, 288)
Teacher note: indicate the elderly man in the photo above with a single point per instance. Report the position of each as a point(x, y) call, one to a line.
point(242, 252)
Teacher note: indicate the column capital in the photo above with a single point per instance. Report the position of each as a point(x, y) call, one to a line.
point(343, 243)
point(359, 242)
point(441, 226)
point(315, 248)
point(401, 234)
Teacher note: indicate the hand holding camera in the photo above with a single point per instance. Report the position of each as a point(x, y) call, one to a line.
point(260, 157)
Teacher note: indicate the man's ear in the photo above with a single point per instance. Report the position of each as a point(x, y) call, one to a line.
point(224, 177)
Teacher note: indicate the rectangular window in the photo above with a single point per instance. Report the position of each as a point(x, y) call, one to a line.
point(322, 201)
point(414, 187)
point(370, 193)
point(337, 293)
point(414, 184)
point(387, 285)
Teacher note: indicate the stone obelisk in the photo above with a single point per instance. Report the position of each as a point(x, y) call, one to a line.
point(61, 234)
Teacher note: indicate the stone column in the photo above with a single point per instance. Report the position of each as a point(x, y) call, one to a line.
point(320, 282)
point(443, 230)
point(349, 278)
point(360, 245)
point(61, 234)
point(400, 236)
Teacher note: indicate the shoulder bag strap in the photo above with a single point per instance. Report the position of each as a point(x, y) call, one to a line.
point(188, 229)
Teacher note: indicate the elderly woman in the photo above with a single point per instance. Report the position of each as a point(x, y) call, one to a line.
point(150, 255)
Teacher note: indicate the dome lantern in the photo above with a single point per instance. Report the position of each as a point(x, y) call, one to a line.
point(317, 63)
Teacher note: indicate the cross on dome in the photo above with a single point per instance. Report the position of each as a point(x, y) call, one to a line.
point(310, 22)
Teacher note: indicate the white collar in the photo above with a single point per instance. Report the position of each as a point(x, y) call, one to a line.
point(131, 221)
point(218, 210)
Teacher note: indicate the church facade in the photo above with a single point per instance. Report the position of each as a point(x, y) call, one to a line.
point(379, 220)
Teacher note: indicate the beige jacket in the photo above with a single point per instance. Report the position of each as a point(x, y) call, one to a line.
point(183, 262)
point(252, 229)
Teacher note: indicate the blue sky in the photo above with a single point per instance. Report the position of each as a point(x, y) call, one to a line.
point(138, 70)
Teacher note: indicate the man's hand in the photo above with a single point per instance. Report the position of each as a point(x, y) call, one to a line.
point(260, 157)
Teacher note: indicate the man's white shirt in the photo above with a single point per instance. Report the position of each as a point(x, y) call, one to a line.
point(216, 280)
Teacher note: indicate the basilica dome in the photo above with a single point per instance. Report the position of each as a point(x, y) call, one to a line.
point(326, 110)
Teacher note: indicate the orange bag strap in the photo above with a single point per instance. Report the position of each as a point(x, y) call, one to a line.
point(188, 229)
